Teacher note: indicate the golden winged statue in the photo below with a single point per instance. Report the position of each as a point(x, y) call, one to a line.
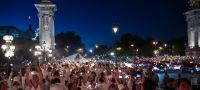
point(194, 3)
point(46, 1)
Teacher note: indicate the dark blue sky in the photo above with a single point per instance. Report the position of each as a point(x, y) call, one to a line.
point(93, 19)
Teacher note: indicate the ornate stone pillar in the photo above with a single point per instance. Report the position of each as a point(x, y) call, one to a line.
point(46, 23)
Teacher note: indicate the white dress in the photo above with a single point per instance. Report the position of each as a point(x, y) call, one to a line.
point(38, 88)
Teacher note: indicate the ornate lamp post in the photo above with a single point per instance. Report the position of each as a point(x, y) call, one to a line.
point(43, 51)
point(8, 48)
point(115, 29)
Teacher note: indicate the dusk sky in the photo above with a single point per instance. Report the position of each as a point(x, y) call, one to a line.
point(93, 19)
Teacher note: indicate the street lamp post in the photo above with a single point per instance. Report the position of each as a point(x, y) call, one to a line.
point(43, 51)
point(115, 29)
point(7, 48)
point(155, 51)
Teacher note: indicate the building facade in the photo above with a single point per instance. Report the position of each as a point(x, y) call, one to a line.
point(17, 33)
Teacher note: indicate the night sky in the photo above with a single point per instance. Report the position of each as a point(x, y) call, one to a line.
point(93, 19)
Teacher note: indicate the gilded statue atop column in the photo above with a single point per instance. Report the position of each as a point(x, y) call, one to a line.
point(46, 1)
point(194, 4)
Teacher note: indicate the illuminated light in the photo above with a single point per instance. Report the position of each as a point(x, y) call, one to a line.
point(137, 50)
point(50, 55)
point(38, 47)
point(80, 50)
point(112, 53)
point(30, 50)
point(155, 43)
point(115, 29)
point(11, 65)
point(33, 72)
point(91, 51)
point(126, 76)
point(30, 62)
point(156, 52)
point(92, 64)
point(12, 47)
point(155, 68)
point(89, 86)
point(132, 45)
point(160, 48)
point(46, 27)
point(119, 48)
point(165, 45)
point(197, 68)
point(177, 67)
point(120, 76)
point(128, 65)
point(120, 71)
point(36, 53)
point(44, 44)
point(96, 46)
point(4, 47)
point(8, 38)
point(9, 54)
point(167, 65)
point(4, 73)
point(50, 51)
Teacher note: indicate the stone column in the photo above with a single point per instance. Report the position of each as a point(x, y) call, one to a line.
point(192, 39)
point(199, 38)
point(46, 24)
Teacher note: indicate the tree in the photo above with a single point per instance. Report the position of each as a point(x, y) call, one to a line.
point(131, 43)
point(101, 50)
point(67, 43)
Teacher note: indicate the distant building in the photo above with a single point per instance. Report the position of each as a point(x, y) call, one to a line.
point(18, 33)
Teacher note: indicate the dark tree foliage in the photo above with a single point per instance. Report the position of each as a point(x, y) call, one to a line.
point(67, 43)
point(146, 47)
point(101, 50)
point(178, 46)
point(127, 40)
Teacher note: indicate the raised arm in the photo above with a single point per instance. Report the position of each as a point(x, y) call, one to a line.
point(9, 79)
point(27, 79)
point(40, 76)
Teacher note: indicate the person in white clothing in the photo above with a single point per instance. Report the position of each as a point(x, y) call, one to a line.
point(34, 80)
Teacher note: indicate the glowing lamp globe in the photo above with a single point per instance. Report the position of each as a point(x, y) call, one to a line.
point(50, 55)
point(8, 38)
point(12, 47)
point(115, 29)
point(4, 47)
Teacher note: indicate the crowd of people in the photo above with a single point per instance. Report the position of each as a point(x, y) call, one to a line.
point(89, 76)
